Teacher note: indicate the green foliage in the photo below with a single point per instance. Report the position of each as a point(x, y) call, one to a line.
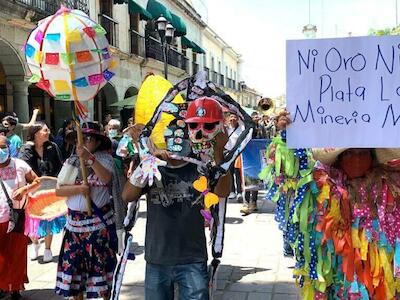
point(386, 31)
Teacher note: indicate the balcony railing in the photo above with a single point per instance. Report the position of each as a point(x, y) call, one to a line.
point(207, 70)
point(214, 77)
point(111, 26)
point(137, 43)
point(77, 4)
point(195, 67)
point(229, 83)
point(221, 80)
point(176, 59)
point(49, 7)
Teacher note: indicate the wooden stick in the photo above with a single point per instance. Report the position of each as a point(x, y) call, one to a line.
point(83, 167)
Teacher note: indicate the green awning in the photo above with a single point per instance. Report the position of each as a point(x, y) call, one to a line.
point(186, 42)
point(190, 44)
point(135, 8)
point(196, 48)
point(127, 102)
point(180, 26)
point(156, 9)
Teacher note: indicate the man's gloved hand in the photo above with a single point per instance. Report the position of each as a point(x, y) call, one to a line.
point(147, 171)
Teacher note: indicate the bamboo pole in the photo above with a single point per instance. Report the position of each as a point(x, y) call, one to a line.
point(83, 167)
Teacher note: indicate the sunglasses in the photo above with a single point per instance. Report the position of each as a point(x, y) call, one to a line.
point(88, 138)
point(206, 126)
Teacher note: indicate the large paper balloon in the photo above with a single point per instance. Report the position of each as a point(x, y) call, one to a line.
point(69, 56)
point(152, 91)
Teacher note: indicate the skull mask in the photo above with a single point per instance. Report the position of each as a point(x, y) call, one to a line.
point(205, 120)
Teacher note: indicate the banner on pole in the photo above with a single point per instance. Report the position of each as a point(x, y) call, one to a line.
point(344, 92)
point(254, 158)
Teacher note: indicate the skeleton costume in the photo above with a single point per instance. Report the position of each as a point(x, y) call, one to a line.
point(202, 139)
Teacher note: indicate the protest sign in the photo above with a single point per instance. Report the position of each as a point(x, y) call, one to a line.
point(344, 92)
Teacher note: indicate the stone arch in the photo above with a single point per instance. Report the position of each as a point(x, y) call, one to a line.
point(13, 64)
point(103, 99)
point(131, 91)
point(14, 83)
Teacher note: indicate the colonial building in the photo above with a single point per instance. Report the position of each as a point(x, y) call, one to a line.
point(130, 26)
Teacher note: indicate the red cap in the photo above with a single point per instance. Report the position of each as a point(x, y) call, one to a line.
point(204, 110)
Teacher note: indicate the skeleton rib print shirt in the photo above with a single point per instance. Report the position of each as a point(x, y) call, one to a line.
point(175, 227)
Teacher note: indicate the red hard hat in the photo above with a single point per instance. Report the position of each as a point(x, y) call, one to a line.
point(204, 110)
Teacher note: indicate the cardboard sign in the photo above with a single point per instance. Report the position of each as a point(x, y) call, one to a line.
point(344, 92)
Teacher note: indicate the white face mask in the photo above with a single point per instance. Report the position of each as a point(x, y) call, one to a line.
point(112, 133)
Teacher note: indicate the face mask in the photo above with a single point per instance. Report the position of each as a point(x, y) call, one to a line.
point(356, 164)
point(4, 155)
point(112, 133)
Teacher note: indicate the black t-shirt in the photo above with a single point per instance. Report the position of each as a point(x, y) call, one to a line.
point(175, 228)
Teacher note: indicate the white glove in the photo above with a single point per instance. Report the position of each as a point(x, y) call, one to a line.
point(147, 171)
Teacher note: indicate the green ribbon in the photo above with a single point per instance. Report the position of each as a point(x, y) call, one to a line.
point(63, 97)
point(35, 78)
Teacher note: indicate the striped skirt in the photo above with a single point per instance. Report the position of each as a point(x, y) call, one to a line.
point(88, 256)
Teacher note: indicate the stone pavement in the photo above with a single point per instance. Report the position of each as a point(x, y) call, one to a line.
point(252, 267)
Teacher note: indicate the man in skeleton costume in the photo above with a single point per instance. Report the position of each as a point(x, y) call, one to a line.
point(179, 194)
point(176, 250)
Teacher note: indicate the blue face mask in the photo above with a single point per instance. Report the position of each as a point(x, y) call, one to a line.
point(4, 155)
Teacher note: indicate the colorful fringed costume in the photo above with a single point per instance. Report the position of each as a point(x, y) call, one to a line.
point(345, 232)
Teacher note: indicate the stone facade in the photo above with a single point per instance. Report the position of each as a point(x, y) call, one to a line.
point(129, 44)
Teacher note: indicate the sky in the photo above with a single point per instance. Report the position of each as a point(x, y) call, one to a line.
point(258, 30)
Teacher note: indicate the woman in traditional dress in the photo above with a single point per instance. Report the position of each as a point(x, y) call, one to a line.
point(15, 175)
point(44, 157)
point(87, 259)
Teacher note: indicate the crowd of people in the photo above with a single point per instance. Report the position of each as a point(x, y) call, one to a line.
point(106, 172)
point(175, 252)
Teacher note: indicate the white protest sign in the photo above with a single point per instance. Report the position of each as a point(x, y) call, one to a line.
point(344, 92)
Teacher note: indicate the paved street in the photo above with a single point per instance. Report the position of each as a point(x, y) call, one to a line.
point(252, 267)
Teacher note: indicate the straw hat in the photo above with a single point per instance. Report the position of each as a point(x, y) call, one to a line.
point(328, 156)
point(385, 155)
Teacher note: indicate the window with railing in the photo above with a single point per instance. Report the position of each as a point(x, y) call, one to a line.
point(195, 67)
point(49, 7)
point(207, 70)
point(154, 50)
point(214, 77)
point(137, 43)
point(42, 6)
point(111, 26)
point(76, 4)
point(234, 85)
point(229, 83)
point(221, 80)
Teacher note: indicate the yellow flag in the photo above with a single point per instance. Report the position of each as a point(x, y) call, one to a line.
point(61, 85)
point(38, 56)
point(74, 36)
